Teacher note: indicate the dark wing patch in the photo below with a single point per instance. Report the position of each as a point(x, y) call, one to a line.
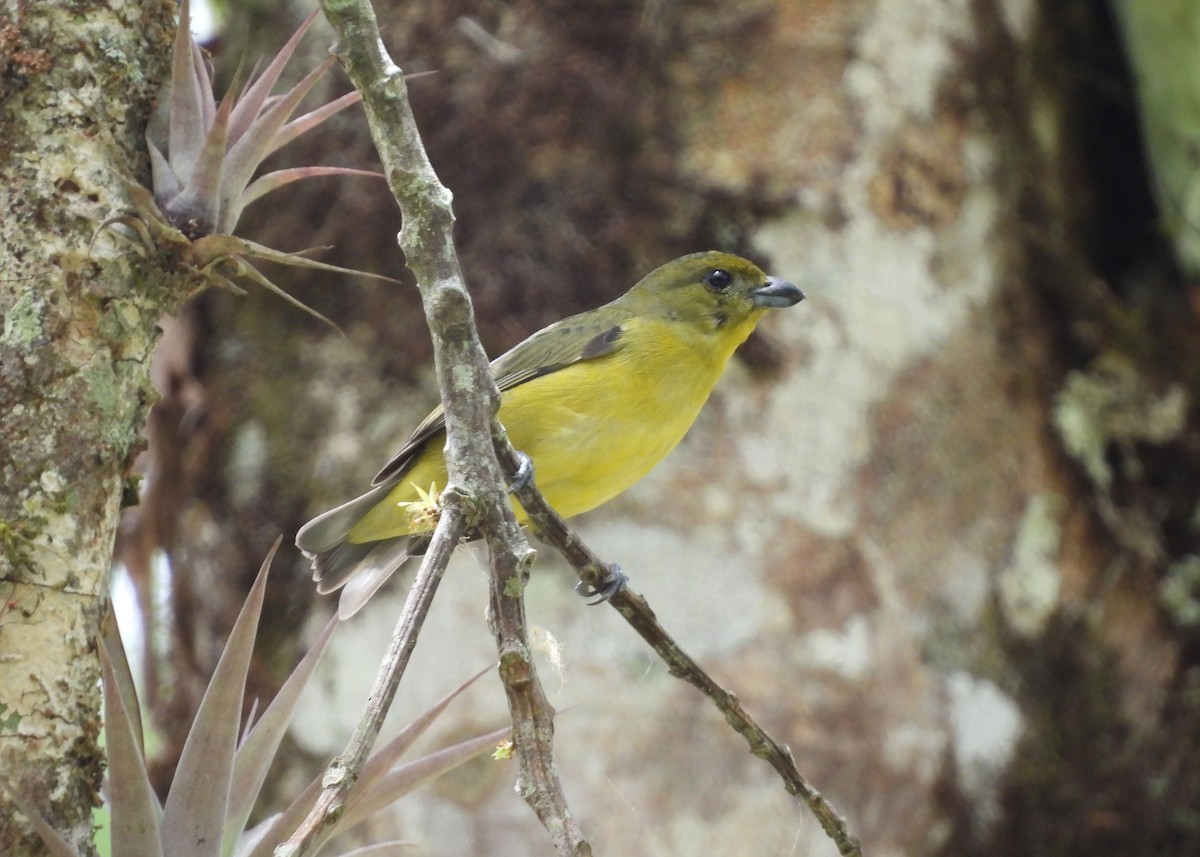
point(603, 344)
point(402, 460)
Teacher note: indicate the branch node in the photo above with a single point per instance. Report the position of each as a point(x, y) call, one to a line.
point(335, 774)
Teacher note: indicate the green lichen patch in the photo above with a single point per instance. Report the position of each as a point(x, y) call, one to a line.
point(1112, 402)
point(23, 320)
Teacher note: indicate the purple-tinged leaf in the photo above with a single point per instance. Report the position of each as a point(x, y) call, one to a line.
point(204, 79)
point(211, 251)
point(253, 837)
point(115, 649)
point(380, 848)
point(194, 816)
point(165, 182)
point(263, 839)
point(383, 759)
point(251, 717)
point(275, 830)
point(133, 806)
point(257, 752)
point(185, 134)
point(248, 152)
point(249, 81)
point(196, 209)
point(315, 117)
point(251, 103)
point(362, 802)
point(269, 182)
point(57, 845)
point(312, 119)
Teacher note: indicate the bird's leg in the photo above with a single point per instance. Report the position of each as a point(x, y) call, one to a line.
point(524, 475)
point(602, 590)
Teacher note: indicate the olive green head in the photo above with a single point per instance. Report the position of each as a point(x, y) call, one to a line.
point(712, 291)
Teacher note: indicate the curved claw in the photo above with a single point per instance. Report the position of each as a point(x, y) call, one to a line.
point(604, 589)
point(524, 475)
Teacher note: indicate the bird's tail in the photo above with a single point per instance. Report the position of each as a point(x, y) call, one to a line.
point(326, 532)
point(357, 569)
point(364, 569)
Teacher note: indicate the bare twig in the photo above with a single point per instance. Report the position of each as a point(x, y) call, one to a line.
point(343, 771)
point(593, 571)
point(468, 393)
point(532, 714)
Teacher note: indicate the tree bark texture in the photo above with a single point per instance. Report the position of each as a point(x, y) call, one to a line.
point(928, 526)
point(76, 85)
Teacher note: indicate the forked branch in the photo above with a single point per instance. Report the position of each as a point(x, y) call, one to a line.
point(468, 393)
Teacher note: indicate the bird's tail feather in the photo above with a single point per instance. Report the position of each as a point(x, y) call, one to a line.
point(360, 569)
point(332, 568)
point(365, 577)
point(327, 532)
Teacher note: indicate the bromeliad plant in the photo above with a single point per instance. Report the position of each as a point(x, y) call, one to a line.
point(219, 777)
point(204, 156)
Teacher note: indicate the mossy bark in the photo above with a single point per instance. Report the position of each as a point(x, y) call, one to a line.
point(79, 314)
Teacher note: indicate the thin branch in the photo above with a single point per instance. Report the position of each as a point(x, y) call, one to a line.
point(468, 393)
point(594, 572)
point(343, 771)
point(532, 714)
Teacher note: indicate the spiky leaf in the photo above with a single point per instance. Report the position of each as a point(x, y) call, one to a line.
point(136, 817)
point(204, 156)
point(258, 89)
point(403, 779)
point(373, 780)
point(194, 815)
point(257, 752)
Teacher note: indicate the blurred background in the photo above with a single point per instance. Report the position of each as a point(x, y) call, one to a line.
point(938, 528)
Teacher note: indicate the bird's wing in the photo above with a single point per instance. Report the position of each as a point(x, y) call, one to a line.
point(569, 341)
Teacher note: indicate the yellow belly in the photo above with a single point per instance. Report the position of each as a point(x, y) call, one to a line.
point(590, 439)
point(592, 429)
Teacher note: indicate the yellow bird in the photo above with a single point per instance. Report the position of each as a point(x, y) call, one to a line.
point(595, 400)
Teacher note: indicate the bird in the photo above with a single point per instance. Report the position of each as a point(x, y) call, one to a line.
point(594, 401)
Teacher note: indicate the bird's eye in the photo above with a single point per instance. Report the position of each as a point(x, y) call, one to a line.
point(718, 279)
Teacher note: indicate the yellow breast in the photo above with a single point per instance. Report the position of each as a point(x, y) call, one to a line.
point(594, 428)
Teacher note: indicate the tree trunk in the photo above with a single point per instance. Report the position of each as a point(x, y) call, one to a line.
point(76, 85)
